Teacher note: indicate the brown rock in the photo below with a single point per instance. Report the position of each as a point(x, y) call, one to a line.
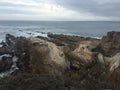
point(82, 56)
point(46, 57)
point(110, 44)
point(84, 53)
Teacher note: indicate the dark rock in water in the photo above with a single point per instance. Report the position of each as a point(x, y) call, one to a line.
point(5, 63)
point(110, 44)
point(29, 33)
point(3, 44)
point(38, 31)
point(42, 32)
point(8, 45)
point(10, 40)
point(20, 30)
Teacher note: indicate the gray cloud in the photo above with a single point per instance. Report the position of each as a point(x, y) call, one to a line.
point(108, 8)
point(95, 8)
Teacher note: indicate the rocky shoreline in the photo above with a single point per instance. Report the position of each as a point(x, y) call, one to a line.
point(82, 63)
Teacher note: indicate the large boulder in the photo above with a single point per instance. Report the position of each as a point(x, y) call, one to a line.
point(46, 57)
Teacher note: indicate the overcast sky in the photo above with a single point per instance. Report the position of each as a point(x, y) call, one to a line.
point(60, 10)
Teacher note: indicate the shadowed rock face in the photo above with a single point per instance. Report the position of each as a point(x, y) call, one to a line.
point(5, 63)
point(109, 50)
point(110, 44)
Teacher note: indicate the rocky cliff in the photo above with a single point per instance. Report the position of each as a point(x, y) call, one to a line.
point(79, 62)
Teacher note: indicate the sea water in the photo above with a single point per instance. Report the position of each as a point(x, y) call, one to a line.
point(78, 28)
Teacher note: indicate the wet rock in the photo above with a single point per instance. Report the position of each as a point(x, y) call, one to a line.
point(20, 30)
point(5, 62)
point(9, 45)
point(42, 32)
point(29, 33)
point(3, 44)
point(10, 40)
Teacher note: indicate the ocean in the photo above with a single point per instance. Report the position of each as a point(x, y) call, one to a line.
point(95, 29)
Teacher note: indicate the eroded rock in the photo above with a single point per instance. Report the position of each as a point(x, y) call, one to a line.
point(82, 55)
point(47, 57)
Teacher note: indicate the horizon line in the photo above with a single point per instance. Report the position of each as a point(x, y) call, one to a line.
point(68, 20)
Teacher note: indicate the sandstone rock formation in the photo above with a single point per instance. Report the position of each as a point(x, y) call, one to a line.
point(84, 51)
point(82, 55)
point(51, 56)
